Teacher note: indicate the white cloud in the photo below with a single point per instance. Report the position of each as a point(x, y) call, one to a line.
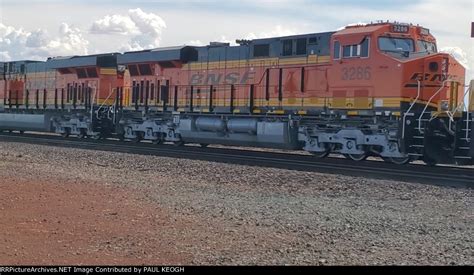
point(4, 56)
point(37, 39)
point(70, 41)
point(18, 44)
point(147, 28)
point(458, 54)
point(277, 31)
point(196, 43)
point(114, 24)
point(352, 25)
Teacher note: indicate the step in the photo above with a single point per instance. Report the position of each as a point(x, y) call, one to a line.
point(420, 137)
point(464, 148)
point(417, 146)
point(414, 154)
point(462, 157)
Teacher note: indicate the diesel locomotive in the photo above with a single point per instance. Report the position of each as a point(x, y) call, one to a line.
point(380, 89)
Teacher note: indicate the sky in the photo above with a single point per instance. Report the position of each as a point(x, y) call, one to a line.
point(37, 29)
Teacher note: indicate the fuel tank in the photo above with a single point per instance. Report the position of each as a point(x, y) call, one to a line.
point(25, 122)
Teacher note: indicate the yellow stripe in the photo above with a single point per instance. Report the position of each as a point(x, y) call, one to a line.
point(105, 71)
point(263, 62)
point(278, 112)
point(352, 113)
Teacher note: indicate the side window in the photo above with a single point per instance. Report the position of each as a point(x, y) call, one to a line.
point(287, 47)
point(346, 51)
point(301, 46)
point(261, 50)
point(337, 50)
point(313, 41)
point(364, 47)
point(133, 70)
point(355, 50)
point(358, 50)
point(81, 73)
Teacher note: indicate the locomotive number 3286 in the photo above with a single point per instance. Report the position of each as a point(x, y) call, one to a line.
point(356, 73)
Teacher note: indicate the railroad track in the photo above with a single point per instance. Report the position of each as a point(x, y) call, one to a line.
point(442, 176)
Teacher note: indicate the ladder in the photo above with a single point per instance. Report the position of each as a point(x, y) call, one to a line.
point(464, 139)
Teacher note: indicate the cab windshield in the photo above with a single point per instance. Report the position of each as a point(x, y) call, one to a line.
point(425, 46)
point(401, 45)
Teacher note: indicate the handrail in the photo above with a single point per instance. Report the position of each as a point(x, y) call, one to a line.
point(428, 103)
point(92, 103)
point(463, 98)
point(469, 90)
point(411, 106)
point(103, 103)
point(451, 114)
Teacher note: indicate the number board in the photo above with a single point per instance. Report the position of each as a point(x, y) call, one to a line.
point(400, 28)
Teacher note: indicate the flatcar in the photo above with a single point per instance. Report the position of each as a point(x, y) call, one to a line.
point(380, 89)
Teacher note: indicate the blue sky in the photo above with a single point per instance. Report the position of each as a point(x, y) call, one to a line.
point(37, 29)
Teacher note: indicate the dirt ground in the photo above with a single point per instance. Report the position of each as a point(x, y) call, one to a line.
point(64, 206)
point(77, 223)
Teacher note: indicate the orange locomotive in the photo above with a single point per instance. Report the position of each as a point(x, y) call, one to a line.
point(378, 89)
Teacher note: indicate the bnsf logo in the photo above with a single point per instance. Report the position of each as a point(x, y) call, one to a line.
point(430, 77)
point(221, 78)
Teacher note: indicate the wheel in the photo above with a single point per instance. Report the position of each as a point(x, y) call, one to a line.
point(321, 155)
point(65, 134)
point(204, 145)
point(178, 143)
point(159, 138)
point(400, 161)
point(96, 137)
point(138, 137)
point(157, 141)
point(82, 135)
point(429, 161)
point(357, 157)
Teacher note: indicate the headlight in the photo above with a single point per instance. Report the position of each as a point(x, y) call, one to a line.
point(434, 66)
point(444, 105)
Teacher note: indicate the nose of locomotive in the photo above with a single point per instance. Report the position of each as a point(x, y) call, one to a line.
point(441, 68)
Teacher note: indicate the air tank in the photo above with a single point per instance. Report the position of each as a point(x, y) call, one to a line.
point(211, 124)
point(242, 125)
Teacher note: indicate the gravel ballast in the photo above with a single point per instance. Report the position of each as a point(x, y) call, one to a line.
point(235, 214)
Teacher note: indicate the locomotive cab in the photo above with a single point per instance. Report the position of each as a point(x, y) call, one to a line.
point(394, 71)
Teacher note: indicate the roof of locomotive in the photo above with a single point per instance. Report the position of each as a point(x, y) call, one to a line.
point(360, 29)
point(100, 60)
point(164, 54)
point(318, 43)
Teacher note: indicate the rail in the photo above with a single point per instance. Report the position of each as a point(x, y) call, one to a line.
point(440, 175)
